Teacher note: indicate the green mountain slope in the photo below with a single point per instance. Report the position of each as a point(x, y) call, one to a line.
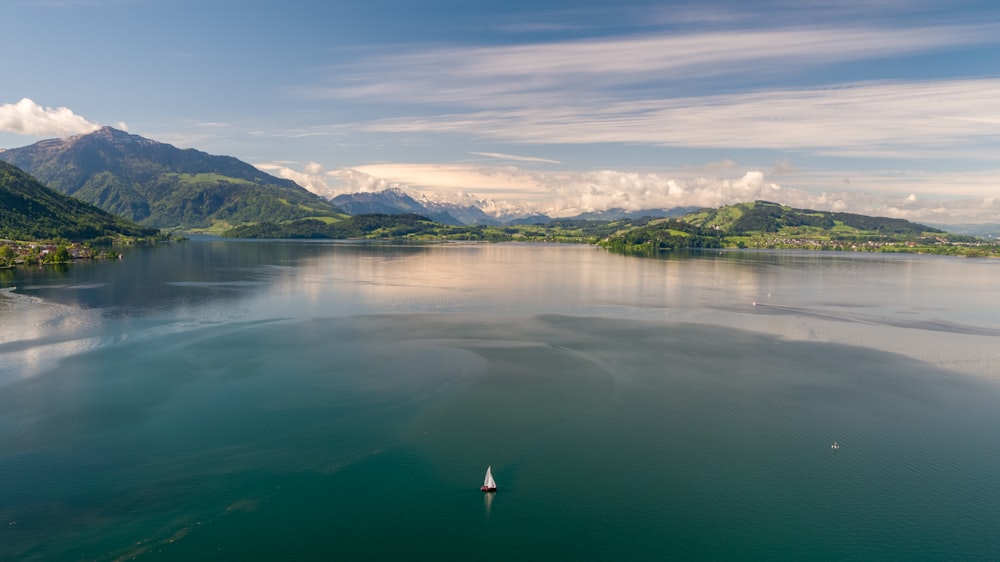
point(764, 216)
point(159, 185)
point(763, 224)
point(31, 211)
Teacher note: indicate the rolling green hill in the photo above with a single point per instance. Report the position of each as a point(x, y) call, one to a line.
point(763, 224)
point(764, 216)
point(31, 211)
point(159, 185)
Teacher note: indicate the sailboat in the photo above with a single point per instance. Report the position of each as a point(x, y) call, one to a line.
point(489, 485)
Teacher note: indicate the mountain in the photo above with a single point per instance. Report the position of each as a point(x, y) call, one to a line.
point(763, 224)
point(468, 212)
point(764, 216)
point(391, 201)
point(388, 202)
point(464, 214)
point(157, 184)
point(476, 211)
point(31, 211)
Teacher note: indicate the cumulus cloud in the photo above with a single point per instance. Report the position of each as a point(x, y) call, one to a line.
point(568, 193)
point(555, 193)
point(312, 176)
point(330, 183)
point(506, 189)
point(355, 180)
point(593, 191)
point(28, 118)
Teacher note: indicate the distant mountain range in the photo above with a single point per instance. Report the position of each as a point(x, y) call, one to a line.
point(395, 201)
point(157, 184)
point(471, 214)
point(390, 202)
point(31, 211)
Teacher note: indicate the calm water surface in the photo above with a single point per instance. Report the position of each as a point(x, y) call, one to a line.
point(233, 400)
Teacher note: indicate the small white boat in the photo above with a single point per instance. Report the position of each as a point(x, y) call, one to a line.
point(489, 485)
point(835, 445)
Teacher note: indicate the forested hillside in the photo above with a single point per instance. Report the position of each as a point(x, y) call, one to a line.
point(31, 211)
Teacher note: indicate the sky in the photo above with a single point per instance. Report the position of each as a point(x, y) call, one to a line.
point(881, 107)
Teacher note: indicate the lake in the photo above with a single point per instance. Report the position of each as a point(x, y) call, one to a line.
point(238, 400)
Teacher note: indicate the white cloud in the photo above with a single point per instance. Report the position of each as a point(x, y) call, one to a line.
point(568, 193)
point(28, 118)
point(636, 90)
point(591, 191)
point(355, 180)
point(311, 177)
point(559, 193)
point(488, 181)
point(525, 74)
point(860, 119)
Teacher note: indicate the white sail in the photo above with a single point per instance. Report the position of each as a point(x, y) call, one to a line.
point(489, 482)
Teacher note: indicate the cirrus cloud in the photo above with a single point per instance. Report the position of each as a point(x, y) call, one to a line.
point(867, 119)
point(29, 118)
point(648, 90)
point(537, 74)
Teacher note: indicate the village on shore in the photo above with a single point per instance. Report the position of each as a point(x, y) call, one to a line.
point(14, 253)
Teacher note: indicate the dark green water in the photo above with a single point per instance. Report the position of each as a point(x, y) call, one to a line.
point(282, 401)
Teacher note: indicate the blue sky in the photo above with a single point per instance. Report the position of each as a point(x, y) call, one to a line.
point(880, 107)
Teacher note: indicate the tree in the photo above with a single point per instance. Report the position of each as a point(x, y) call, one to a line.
point(61, 255)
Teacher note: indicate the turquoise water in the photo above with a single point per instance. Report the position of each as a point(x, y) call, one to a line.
point(249, 401)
